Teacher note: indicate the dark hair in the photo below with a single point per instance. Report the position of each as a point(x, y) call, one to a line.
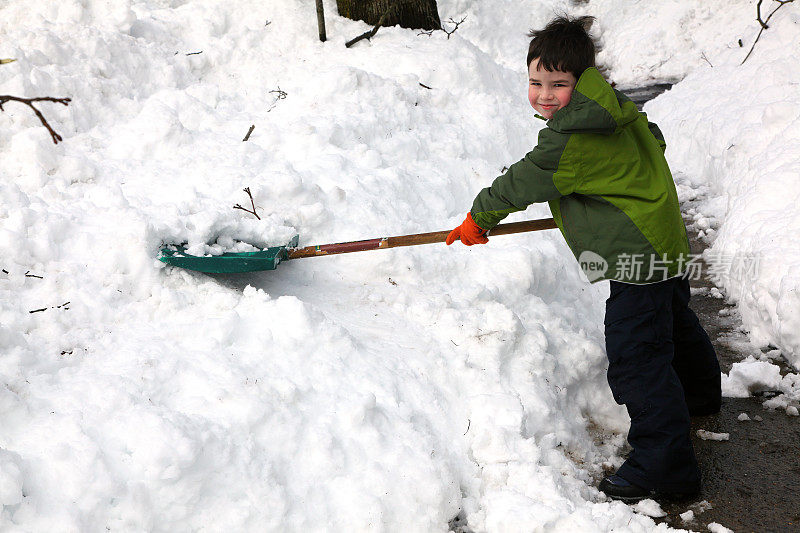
point(564, 44)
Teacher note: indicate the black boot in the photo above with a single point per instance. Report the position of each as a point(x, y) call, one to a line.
point(618, 488)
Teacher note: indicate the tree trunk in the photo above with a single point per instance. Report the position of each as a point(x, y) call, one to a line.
point(321, 21)
point(417, 14)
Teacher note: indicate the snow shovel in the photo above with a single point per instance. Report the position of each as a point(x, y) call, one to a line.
point(269, 258)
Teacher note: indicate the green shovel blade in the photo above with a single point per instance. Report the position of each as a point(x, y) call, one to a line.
point(227, 263)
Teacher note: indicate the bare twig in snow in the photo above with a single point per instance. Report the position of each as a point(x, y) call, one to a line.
point(246, 137)
point(425, 86)
point(763, 23)
point(370, 34)
point(253, 211)
point(457, 24)
point(62, 306)
point(703, 55)
point(281, 95)
point(442, 28)
point(29, 102)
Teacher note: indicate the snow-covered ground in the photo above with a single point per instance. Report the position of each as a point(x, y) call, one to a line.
point(380, 391)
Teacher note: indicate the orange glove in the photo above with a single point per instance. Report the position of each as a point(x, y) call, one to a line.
point(469, 232)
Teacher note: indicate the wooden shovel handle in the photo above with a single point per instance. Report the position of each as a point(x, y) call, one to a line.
point(413, 240)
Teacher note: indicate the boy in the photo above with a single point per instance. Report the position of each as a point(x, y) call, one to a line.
point(601, 167)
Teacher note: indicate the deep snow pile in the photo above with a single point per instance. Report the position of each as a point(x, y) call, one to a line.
point(387, 391)
point(382, 391)
point(734, 143)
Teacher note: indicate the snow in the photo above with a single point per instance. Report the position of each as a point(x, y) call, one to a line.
point(650, 508)
point(748, 376)
point(714, 527)
point(688, 516)
point(751, 376)
point(386, 391)
point(710, 435)
point(743, 417)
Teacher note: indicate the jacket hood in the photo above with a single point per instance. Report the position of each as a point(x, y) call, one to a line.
point(595, 107)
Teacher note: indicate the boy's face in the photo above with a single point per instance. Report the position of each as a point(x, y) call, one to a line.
point(549, 91)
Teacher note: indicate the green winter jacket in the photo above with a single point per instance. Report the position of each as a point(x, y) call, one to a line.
point(600, 164)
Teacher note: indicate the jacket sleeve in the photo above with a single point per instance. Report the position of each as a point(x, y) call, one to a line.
point(654, 129)
point(532, 179)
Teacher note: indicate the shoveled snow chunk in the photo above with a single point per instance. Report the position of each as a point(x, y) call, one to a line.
point(650, 508)
point(714, 527)
point(688, 516)
point(792, 411)
point(748, 376)
point(743, 417)
point(710, 435)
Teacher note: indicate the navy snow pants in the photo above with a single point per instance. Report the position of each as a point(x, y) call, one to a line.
point(662, 367)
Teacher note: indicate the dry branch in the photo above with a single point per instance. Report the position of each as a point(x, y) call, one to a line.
point(457, 24)
point(253, 211)
point(64, 306)
point(29, 102)
point(246, 137)
point(449, 33)
point(763, 23)
point(279, 95)
point(370, 34)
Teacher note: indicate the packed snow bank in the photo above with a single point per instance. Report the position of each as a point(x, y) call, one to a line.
point(733, 140)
